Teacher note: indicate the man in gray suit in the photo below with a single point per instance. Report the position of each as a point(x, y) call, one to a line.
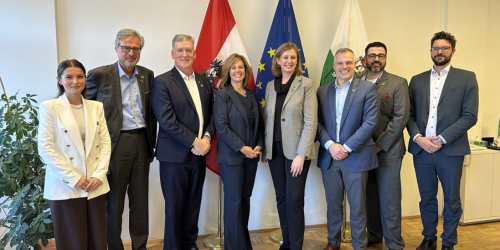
point(444, 103)
point(348, 113)
point(124, 89)
point(383, 192)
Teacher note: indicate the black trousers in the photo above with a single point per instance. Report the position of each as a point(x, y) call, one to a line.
point(79, 224)
point(238, 186)
point(289, 196)
point(129, 174)
point(182, 186)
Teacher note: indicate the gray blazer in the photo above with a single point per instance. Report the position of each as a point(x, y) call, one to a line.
point(299, 119)
point(394, 113)
point(457, 110)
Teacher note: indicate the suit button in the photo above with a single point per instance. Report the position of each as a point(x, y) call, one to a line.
point(67, 145)
point(114, 140)
point(283, 119)
point(65, 131)
point(71, 158)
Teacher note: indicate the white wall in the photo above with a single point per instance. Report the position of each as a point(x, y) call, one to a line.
point(86, 31)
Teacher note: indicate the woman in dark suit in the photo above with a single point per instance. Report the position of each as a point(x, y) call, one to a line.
point(240, 129)
point(74, 143)
point(290, 117)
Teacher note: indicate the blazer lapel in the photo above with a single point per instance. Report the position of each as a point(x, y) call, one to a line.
point(332, 100)
point(140, 81)
point(293, 88)
point(257, 114)
point(236, 100)
point(90, 126)
point(114, 77)
point(353, 89)
point(182, 85)
point(66, 116)
point(427, 88)
point(447, 83)
point(382, 83)
point(201, 92)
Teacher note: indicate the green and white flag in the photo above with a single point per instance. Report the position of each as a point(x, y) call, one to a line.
point(351, 33)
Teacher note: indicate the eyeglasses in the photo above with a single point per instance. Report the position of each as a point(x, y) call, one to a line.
point(127, 49)
point(373, 56)
point(444, 48)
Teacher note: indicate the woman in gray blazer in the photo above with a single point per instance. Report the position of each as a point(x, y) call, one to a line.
point(291, 121)
point(241, 138)
point(74, 143)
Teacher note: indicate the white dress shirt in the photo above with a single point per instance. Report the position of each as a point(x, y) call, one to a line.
point(195, 95)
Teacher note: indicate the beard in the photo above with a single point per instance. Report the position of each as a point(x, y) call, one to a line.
point(375, 68)
point(445, 61)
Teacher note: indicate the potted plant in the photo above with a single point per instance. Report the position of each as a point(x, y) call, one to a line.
point(24, 216)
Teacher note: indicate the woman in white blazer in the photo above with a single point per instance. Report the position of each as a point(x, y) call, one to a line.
point(74, 143)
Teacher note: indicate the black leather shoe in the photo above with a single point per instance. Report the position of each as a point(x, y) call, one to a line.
point(372, 244)
point(285, 246)
point(447, 248)
point(427, 244)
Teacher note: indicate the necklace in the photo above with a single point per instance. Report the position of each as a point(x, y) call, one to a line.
point(79, 106)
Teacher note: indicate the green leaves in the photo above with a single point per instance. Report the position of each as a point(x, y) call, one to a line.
point(22, 176)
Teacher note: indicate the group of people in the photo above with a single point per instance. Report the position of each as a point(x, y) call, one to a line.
point(358, 120)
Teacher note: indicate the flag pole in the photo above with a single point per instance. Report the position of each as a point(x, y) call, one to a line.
point(216, 241)
point(346, 232)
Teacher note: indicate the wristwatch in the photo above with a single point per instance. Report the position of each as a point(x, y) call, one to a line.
point(441, 140)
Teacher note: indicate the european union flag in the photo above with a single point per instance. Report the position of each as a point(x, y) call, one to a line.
point(284, 29)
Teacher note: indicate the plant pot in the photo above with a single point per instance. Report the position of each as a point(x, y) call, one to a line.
point(50, 246)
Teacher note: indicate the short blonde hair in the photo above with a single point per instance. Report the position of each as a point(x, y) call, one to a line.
point(181, 38)
point(226, 68)
point(285, 47)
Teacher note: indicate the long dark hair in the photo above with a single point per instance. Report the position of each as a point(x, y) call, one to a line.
point(70, 63)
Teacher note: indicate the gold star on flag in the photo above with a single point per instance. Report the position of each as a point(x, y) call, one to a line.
point(261, 66)
point(259, 85)
point(271, 52)
point(263, 102)
point(305, 65)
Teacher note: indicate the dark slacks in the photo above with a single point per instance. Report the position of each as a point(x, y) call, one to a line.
point(79, 224)
point(238, 186)
point(428, 168)
point(182, 186)
point(289, 197)
point(129, 167)
point(335, 179)
point(383, 203)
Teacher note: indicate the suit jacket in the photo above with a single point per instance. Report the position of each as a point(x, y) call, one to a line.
point(177, 116)
point(457, 110)
point(298, 119)
point(359, 119)
point(394, 113)
point(67, 157)
point(231, 123)
point(103, 85)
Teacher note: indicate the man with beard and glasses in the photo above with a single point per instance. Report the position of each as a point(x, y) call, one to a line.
point(443, 106)
point(124, 89)
point(383, 189)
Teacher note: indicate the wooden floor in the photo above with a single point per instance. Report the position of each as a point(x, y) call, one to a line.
point(472, 237)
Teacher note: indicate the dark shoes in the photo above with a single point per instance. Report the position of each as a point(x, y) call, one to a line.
point(372, 244)
point(427, 244)
point(447, 248)
point(285, 246)
point(331, 246)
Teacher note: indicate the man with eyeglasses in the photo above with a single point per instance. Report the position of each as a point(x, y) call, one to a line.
point(383, 190)
point(124, 89)
point(444, 104)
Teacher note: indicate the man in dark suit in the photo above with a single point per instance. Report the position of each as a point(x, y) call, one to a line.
point(444, 105)
point(124, 89)
point(348, 113)
point(182, 101)
point(383, 193)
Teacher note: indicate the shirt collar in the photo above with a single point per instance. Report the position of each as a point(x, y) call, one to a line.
point(122, 73)
point(346, 84)
point(184, 75)
point(443, 71)
point(366, 73)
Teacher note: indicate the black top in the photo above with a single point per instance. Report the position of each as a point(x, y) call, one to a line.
point(281, 92)
point(248, 105)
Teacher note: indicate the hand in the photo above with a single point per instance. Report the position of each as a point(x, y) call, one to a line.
point(201, 146)
point(377, 149)
point(257, 149)
point(93, 185)
point(264, 160)
point(297, 165)
point(248, 152)
point(426, 143)
point(437, 142)
point(338, 152)
point(151, 160)
point(82, 183)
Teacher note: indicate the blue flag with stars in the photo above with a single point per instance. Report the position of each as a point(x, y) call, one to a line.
point(283, 29)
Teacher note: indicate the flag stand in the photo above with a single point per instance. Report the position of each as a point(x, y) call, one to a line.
point(216, 241)
point(276, 236)
point(346, 232)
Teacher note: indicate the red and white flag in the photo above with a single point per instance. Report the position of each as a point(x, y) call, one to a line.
point(219, 38)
